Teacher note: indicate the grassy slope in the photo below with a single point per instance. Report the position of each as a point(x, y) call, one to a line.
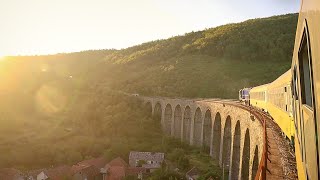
point(213, 63)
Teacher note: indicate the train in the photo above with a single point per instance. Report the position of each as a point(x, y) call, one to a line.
point(293, 99)
point(244, 95)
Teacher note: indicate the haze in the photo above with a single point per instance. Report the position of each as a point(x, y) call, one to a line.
point(46, 27)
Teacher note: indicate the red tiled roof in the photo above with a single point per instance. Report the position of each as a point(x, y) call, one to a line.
point(118, 162)
point(89, 170)
point(59, 172)
point(78, 167)
point(97, 162)
point(10, 173)
point(116, 173)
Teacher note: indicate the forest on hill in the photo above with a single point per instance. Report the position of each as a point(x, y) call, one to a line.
point(215, 62)
point(95, 124)
point(48, 103)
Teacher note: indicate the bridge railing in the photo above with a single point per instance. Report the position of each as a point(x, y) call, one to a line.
point(262, 169)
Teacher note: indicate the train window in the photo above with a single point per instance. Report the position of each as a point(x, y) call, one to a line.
point(305, 72)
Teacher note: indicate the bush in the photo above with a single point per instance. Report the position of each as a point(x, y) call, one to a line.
point(183, 163)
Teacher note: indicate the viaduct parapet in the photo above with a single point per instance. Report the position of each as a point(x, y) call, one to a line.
point(231, 135)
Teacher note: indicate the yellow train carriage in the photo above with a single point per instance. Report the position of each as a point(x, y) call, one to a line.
point(306, 89)
point(258, 97)
point(279, 104)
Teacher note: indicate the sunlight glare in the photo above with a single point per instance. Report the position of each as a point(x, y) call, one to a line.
point(2, 57)
point(50, 99)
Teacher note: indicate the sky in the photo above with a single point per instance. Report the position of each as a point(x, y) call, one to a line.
point(33, 27)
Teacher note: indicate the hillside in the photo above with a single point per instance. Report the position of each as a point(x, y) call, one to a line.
point(48, 103)
point(95, 124)
point(215, 62)
point(211, 63)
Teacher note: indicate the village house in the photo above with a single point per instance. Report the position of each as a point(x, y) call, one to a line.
point(138, 172)
point(93, 169)
point(115, 169)
point(56, 173)
point(85, 172)
point(99, 162)
point(32, 175)
point(60, 172)
point(148, 160)
point(89, 169)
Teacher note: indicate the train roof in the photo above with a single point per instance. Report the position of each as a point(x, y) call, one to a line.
point(260, 88)
point(286, 76)
point(284, 79)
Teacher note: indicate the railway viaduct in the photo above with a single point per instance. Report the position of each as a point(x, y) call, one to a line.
point(231, 135)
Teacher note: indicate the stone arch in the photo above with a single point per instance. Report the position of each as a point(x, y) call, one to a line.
point(197, 127)
point(177, 121)
point(157, 113)
point(186, 124)
point(245, 156)
point(148, 108)
point(216, 140)
point(168, 119)
point(207, 127)
point(226, 144)
point(255, 164)
point(236, 152)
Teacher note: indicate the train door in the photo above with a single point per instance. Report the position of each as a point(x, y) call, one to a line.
point(285, 97)
point(289, 100)
point(295, 110)
point(307, 112)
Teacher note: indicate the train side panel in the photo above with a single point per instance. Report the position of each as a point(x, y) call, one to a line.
point(306, 79)
point(301, 173)
point(279, 104)
point(258, 97)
